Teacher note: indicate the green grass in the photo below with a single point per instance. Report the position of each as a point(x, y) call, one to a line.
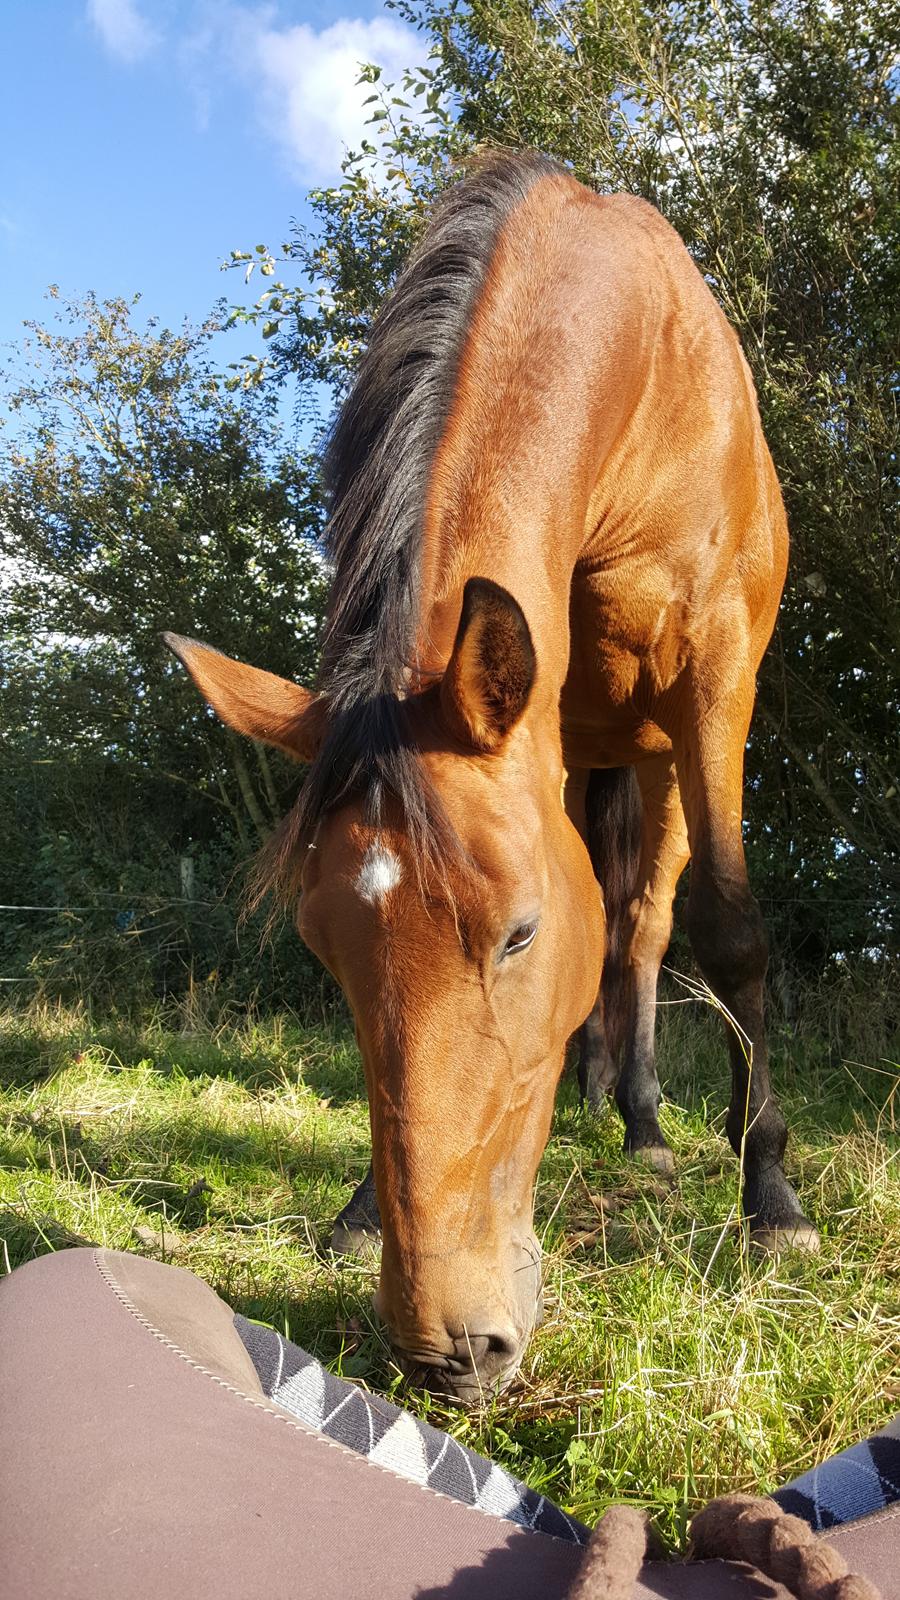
point(669, 1367)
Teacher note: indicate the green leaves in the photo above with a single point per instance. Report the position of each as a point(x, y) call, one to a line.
point(145, 490)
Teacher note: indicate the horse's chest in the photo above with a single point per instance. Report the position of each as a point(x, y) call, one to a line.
point(631, 631)
point(630, 639)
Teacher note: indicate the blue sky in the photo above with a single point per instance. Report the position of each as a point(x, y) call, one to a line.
point(142, 140)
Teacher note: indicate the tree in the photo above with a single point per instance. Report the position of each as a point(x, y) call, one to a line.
point(137, 494)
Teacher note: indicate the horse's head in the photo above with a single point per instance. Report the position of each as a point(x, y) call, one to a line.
point(466, 975)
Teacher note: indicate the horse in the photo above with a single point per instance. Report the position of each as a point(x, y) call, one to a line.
point(558, 547)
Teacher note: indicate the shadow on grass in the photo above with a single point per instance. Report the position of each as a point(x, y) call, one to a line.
point(29, 1055)
point(343, 1083)
point(189, 1143)
point(181, 1169)
point(17, 1156)
point(257, 1056)
point(27, 1236)
point(330, 1319)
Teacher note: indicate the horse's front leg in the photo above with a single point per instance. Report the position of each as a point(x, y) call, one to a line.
point(729, 941)
point(597, 1070)
point(621, 1027)
point(664, 852)
point(357, 1229)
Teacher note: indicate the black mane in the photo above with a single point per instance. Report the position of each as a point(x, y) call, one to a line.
point(377, 467)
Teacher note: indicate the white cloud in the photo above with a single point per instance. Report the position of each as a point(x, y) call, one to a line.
point(301, 82)
point(310, 100)
point(124, 32)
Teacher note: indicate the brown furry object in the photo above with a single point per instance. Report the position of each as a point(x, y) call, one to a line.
point(784, 1548)
point(613, 1556)
point(738, 1527)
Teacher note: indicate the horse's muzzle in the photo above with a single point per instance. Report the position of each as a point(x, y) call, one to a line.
point(481, 1366)
point(459, 1322)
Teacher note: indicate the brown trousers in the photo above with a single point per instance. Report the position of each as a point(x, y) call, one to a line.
point(139, 1460)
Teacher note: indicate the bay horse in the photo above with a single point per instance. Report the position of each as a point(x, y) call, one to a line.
point(559, 547)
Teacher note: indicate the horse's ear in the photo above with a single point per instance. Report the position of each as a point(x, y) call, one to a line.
point(256, 703)
point(491, 671)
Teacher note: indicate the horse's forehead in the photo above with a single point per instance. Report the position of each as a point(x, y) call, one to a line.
point(380, 872)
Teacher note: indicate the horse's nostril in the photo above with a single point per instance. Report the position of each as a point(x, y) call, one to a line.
point(472, 1348)
point(502, 1344)
point(484, 1350)
point(474, 1364)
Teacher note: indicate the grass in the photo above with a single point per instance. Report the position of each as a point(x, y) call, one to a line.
point(670, 1367)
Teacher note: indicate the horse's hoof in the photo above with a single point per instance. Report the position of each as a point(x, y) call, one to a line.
point(644, 1141)
point(659, 1157)
point(655, 1153)
point(354, 1239)
point(797, 1234)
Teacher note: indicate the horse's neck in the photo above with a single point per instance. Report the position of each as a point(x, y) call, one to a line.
point(504, 503)
point(520, 560)
point(541, 389)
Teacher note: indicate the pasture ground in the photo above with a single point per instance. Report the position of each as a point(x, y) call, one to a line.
point(670, 1367)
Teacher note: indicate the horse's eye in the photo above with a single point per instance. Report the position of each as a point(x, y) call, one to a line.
point(520, 938)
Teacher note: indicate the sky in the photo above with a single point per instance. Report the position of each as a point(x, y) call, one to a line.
point(142, 140)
